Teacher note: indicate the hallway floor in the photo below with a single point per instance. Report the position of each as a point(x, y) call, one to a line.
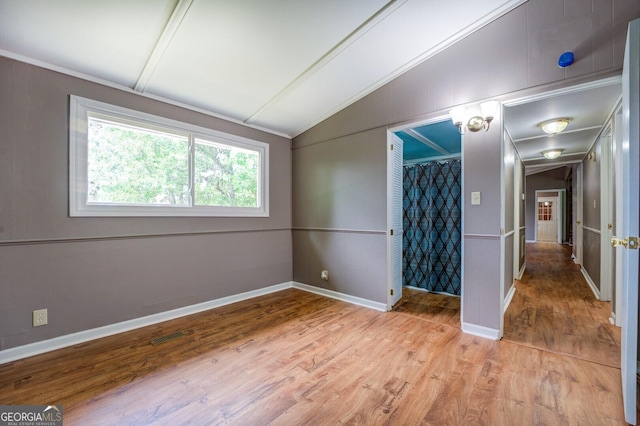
point(439, 308)
point(554, 309)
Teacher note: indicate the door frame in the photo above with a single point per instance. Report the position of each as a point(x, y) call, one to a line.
point(518, 226)
point(561, 210)
point(577, 243)
point(391, 173)
point(394, 282)
point(618, 306)
point(606, 212)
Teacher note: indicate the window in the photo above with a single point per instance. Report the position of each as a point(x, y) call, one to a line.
point(128, 163)
point(545, 210)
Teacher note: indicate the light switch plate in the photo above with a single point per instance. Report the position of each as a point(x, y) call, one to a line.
point(475, 198)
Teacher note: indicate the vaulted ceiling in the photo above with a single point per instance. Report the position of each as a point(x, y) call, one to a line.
point(282, 66)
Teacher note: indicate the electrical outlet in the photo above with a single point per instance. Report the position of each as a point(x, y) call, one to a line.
point(40, 317)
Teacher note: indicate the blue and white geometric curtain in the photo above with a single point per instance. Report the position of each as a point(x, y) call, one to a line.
point(432, 256)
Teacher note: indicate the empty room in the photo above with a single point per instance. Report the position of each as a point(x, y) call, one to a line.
point(296, 212)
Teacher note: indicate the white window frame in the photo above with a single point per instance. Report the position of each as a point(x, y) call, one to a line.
point(81, 107)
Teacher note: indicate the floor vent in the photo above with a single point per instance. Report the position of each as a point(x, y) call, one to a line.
point(167, 338)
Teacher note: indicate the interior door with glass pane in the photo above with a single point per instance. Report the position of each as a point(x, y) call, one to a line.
point(547, 219)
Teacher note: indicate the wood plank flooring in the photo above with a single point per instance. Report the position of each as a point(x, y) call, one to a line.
point(440, 308)
point(293, 358)
point(554, 309)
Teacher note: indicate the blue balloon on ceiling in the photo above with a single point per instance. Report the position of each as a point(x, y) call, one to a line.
point(565, 59)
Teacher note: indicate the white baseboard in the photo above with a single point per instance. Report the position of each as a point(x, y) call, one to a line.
point(342, 296)
point(43, 346)
point(48, 345)
point(592, 285)
point(530, 241)
point(507, 300)
point(480, 331)
point(521, 273)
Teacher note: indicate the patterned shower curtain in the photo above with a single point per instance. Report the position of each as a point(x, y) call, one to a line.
point(432, 226)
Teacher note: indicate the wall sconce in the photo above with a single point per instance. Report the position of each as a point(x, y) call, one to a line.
point(476, 123)
point(592, 156)
point(555, 126)
point(551, 154)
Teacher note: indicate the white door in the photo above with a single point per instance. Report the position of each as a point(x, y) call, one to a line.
point(627, 208)
point(617, 168)
point(394, 214)
point(547, 214)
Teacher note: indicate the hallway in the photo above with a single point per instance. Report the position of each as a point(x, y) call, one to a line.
point(554, 309)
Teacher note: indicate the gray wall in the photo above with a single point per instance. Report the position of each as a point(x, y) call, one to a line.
point(481, 292)
point(516, 52)
point(339, 214)
point(91, 272)
point(591, 215)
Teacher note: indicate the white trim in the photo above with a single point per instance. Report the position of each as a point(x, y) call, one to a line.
point(395, 150)
point(559, 209)
point(595, 231)
point(480, 23)
point(589, 281)
point(482, 236)
point(342, 230)
point(415, 161)
point(503, 222)
point(530, 241)
point(578, 214)
point(606, 211)
point(354, 300)
point(507, 300)
point(169, 31)
point(510, 233)
point(43, 346)
point(80, 111)
point(127, 89)
point(524, 267)
point(617, 79)
point(480, 331)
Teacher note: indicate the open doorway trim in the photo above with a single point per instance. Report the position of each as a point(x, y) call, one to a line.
point(561, 212)
point(393, 174)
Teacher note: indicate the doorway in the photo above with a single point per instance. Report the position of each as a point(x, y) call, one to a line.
point(550, 215)
point(425, 215)
point(547, 219)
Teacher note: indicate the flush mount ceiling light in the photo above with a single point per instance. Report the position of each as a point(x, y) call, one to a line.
point(476, 123)
point(551, 154)
point(555, 126)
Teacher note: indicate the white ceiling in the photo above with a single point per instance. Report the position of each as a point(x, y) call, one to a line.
point(588, 107)
point(282, 66)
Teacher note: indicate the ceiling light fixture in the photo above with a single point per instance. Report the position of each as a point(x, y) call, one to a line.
point(555, 126)
point(551, 154)
point(476, 123)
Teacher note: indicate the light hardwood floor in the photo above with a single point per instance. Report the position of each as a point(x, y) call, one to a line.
point(294, 358)
point(554, 309)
